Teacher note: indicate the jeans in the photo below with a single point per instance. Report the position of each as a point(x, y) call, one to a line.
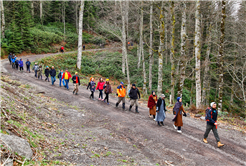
point(62, 80)
point(67, 84)
point(47, 78)
point(100, 94)
point(215, 131)
point(28, 68)
point(36, 73)
point(53, 79)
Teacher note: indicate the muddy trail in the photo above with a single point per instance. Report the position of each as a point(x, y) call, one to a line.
point(102, 134)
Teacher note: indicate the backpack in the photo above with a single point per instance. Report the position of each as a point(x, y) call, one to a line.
point(206, 113)
point(16, 62)
point(36, 67)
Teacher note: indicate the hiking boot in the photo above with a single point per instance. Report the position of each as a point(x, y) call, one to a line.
point(162, 123)
point(205, 140)
point(130, 108)
point(220, 144)
point(137, 109)
point(175, 127)
point(116, 104)
point(158, 123)
point(74, 91)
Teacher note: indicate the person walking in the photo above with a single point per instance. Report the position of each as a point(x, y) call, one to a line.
point(60, 78)
point(152, 101)
point(107, 90)
point(178, 109)
point(13, 61)
point(211, 118)
point(121, 92)
point(161, 110)
point(53, 75)
point(92, 86)
point(16, 64)
point(100, 85)
point(134, 96)
point(35, 68)
point(40, 71)
point(66, 76)
point(10, 57)
point(28, 64)
point(47, 73)
point(76, 83)
point(21, 64)
point(62, 49)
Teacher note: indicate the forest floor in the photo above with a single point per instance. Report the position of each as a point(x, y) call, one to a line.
point(74, 129)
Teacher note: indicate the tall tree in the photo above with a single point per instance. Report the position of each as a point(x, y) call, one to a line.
point(182, 51)
point(41, 11)
point(160, 51)
point(151, 58)
point(172, 55)
point(32, 8)
point(221, 56)
point(197, 46)
point(3, 19)
point(81, 11)
point(63, 18)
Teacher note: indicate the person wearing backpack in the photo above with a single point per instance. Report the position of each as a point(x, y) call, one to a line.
point(107, 90)
point(66, 76)
point(92, 86)
point(211, 118)
point(40, 71)
point(21, 64)
point(100, 85)
point(62, 49)
point(47, 73)
point(28, 64)
point(134, 96)
point(35, 68)
point(60, 78)
point(10, 57)
point(76, 83)
point(178, 109)
point(121, 92)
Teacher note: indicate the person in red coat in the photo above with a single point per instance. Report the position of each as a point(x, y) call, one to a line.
point(66, 76)
point(152, 104)
point(100, 88)
point(62, 49)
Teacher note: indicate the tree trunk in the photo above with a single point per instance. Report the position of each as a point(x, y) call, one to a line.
point(172, 55)
point(151, 46)
point(182, 51)
point(166, 36)
point(76, 16)
point(197, 46)
point(160, 51)
point(221, 56)
point(206, 76)
point(81, 12)
point(41, 11)
point(64, 14)
point(124, 50)
point(32, 8)
point(2, 20)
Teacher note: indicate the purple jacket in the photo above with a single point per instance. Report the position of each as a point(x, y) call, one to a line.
point(21, 63)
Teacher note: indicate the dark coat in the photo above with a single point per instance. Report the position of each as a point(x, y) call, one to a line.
point(158, 105)
point(107, 88)
point(52, 72)
point(28, 63)
point(134, 93)
point(10, 57)
point(92, 86)
point(47, 72)
point(74, 79)
point(212, 116)
point(60, 75)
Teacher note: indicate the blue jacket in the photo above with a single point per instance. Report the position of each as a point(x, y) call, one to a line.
point(28, 63)
point(21, 63)
point(13, 60)
point(212, 116)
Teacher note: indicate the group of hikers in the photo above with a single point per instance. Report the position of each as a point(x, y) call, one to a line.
point(157, 106)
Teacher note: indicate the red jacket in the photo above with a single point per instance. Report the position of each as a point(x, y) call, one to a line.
point(68, 74)
point(151, 101)
point(100, 85)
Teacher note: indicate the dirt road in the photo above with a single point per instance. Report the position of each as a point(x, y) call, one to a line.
point(151, 144)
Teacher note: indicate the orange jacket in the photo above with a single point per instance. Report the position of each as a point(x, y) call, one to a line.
point(121, 91)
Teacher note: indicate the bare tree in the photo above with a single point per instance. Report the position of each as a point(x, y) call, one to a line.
point(81, 12)
point(172, 55)
point(151, 45)
point(32, 8)
point(2, 19)
point(41, 11)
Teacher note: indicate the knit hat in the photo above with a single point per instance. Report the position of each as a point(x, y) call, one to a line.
point(212, 104)
point(107, 79)
point(133, 85)
point(178, 98)
point(47, 66)
point(122, 83)
point(162, 95)
point(76, 72)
